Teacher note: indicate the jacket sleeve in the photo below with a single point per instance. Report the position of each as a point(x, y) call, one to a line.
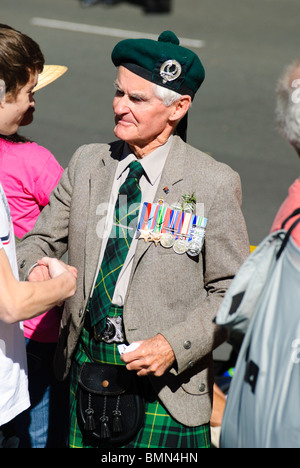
point(225, 249)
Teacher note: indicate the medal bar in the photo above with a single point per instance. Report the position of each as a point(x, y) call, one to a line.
point(181, 230)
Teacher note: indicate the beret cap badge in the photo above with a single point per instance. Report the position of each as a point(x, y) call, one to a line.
point(170, 71)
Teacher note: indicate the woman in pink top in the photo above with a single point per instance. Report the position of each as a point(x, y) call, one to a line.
point(288, 122)
point(28, 174)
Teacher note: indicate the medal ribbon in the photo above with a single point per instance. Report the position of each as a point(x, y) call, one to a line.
point(169, 220)
point(166, 221)
point(197, 221)
point(152, 221)
point(160, 219)
point(174, 222)
point(157, 218)
point(145, 216)
point(186, 224)
point(179, 223)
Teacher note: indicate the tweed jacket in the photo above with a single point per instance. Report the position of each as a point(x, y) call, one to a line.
point(175, 295)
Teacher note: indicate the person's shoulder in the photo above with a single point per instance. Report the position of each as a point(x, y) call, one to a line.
point(208, 165)
point(95, 148)
point(294, 189)
point(25, 150)
point(93, 151)
point(30, 157)
point(40, 159)
point(34, 150)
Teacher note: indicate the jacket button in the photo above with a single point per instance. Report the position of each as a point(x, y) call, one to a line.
point(190, 364)
point(187, 345)
point(23, 264)
point(202, 388)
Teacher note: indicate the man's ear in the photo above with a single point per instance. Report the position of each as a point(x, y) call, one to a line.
point(181, 108)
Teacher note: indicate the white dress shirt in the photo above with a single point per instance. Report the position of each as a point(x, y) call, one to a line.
point(153, 165)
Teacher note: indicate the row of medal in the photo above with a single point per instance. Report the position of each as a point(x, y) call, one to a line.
point(182, 231)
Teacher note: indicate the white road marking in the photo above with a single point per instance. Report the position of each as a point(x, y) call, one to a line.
point(110, 32)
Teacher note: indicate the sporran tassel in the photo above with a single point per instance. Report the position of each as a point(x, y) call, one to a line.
point(89, 422)
point(117, 421)
point(104, 429)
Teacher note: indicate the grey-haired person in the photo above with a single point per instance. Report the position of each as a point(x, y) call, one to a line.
point(144, 280)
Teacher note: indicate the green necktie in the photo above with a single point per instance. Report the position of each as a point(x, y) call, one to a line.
point(125, 215)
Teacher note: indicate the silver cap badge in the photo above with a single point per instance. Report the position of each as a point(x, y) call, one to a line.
point(170, 71)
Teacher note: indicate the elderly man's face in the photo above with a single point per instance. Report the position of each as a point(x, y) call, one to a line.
point(140, 117)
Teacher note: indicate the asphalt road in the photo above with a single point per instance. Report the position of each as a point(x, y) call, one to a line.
point(244, 45)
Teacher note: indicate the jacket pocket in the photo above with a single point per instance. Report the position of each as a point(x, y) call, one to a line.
point(200, 383)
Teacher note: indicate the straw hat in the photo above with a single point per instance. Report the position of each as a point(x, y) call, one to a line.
point(49, 74)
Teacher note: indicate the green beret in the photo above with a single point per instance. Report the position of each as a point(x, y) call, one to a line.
point(163, 62)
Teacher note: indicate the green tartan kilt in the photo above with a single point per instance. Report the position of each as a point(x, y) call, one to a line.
point(160, 430)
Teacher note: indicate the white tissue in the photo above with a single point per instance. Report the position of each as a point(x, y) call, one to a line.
point(123, 349)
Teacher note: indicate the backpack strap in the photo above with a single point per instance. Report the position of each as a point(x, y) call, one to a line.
point(288, 234)
point(295, 213)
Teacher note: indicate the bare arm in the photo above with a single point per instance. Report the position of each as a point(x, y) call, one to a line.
point(24, 300)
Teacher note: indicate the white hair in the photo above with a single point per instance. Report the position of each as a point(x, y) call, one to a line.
point(287, 111)
point(167, 96)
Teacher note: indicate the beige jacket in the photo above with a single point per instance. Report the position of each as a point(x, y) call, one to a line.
point(175, 295)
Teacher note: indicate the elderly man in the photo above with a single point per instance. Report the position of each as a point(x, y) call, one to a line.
point(153, 286)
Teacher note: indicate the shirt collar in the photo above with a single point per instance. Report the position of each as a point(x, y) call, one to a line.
point(153, 164)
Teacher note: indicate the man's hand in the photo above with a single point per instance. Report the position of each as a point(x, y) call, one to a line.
point(48, 268)
point(153, 357)
point(55, 267)
point(39, 273)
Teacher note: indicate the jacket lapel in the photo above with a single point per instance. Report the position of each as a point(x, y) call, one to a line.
point(100, 186)
point(170, 189)
point(172, 179)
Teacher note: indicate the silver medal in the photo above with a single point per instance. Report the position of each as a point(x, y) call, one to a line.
point(180, 246)
point(167, 240)
point(195, 246)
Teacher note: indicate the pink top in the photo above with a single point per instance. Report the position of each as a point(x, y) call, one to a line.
point(289, 206)
point(29, 173)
